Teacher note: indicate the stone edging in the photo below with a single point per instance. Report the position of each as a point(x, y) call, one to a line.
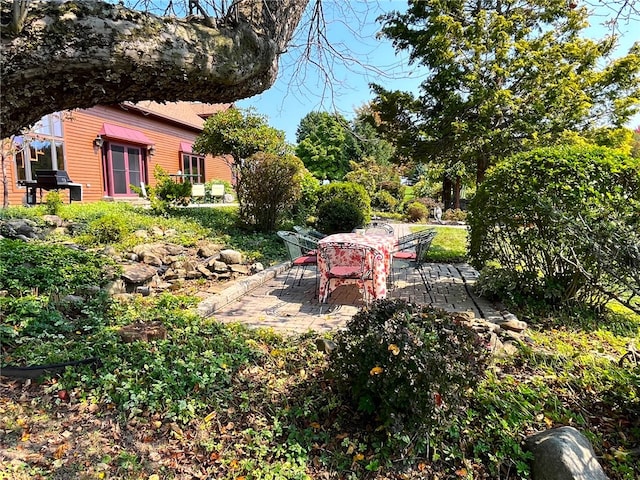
point(215, 302)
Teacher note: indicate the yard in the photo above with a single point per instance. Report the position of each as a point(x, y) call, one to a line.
point(221, 401)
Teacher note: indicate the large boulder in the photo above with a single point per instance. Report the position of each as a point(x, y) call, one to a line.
point(563, 454)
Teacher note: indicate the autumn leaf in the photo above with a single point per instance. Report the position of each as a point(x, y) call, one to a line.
point(59, 453)
point(210, 417)
point(393, 348)
point(376, 371)
point(315, 425)
point(462, 472)
point(358, 457)
point(234, 465)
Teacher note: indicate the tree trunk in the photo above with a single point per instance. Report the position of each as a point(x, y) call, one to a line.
point(481, 168)
point(456, 193)
point(81, 53)
point(446, 192)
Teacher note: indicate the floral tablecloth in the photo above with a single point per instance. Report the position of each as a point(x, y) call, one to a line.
point(377, 287)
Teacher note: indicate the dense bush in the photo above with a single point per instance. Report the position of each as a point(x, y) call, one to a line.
point(408, 365)
point(349, 192)
point(53, 202)
point(417, 212)
point(455, 215)
point(395, 188)
point(337, 216)
point(383, 201)
point(343, 193)
point(560, 224)
point(110, 228)
point(268, 187)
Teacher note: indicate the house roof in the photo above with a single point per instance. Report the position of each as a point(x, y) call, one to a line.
point(192, 114)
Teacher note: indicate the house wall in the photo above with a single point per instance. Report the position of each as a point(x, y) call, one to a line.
point(84, 163)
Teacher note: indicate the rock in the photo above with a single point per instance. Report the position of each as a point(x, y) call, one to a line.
point(152, 259)
point(143, 290)
point(142, 331)
point(208, 250)
point(132, 257)
point(324, 345)
point(173, 249)
point(257, 267)
point(242, 269)
point(157, 232)
point(116, 287)
point(53, 220)
point(563, 454)
point(205, 271)
point(218, 266)
point(138, 273)
point(109, 251)
point(141, 234)
point(511, 322)
point(230, 257)
point(227, 198)
point(170, 232)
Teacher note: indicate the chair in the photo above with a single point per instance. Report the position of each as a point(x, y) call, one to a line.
point(217, 192)
point(300, 255)
point(348, 262)
point(412, 250)
point(378, 228)
point(309, 232)
point(197, 192)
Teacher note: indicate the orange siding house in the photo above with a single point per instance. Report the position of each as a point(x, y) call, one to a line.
point(106, 149)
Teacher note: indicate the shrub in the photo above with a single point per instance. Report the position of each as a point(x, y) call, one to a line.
point(109, 229)
point(384, 201)
point(561, 223)
point(417, 212)
point(395, 188)
point(268, 187)
point(306, 205)
point(166, 192)
point(53, 202)
point(337, 216)
point(456, 215)
point(407, 364)
point(349, 192)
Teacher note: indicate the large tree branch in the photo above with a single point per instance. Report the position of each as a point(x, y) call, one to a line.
point(80, 53)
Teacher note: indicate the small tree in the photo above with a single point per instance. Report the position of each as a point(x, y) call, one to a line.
point(268, 186)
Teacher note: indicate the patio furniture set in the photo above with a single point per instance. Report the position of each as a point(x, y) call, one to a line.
point(368, 256)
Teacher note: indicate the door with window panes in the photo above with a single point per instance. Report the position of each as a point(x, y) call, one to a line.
point(125, 168)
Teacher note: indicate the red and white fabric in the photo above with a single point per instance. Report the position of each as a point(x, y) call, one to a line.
point(376, 287)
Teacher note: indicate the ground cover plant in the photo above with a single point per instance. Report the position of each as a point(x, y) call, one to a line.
point(221, 401)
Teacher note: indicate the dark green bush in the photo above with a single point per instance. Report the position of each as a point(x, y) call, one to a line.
point(383, 201)
point(337, 216)
point(395, 188)
point(268, 187)
point(560, 225)
point(417, 212)
point(348, 192)
point(408, 365)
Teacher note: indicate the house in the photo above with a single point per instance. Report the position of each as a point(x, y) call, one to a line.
point(106, 150)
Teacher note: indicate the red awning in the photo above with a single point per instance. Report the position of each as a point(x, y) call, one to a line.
point(186, 147)
point(116, 132)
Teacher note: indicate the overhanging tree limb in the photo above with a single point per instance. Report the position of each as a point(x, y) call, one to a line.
point(76, 54)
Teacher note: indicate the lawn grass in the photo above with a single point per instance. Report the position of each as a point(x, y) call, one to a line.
point(223, 401)
point(448, 246)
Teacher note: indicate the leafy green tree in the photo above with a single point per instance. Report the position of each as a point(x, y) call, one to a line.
point(325, 145)
point(502, 77)
point(240, 133)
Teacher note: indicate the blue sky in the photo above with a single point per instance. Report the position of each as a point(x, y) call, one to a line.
point(351, 29)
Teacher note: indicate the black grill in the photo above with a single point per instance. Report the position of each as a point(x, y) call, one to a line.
point(51, 180)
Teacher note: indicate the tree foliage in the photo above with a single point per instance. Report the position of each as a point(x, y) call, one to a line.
point(239, 133)
point(324, 145)
point(269, 185)
point(560, 225)
point(502, 77)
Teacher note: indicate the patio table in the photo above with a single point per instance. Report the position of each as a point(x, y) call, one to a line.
point(377, 287)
